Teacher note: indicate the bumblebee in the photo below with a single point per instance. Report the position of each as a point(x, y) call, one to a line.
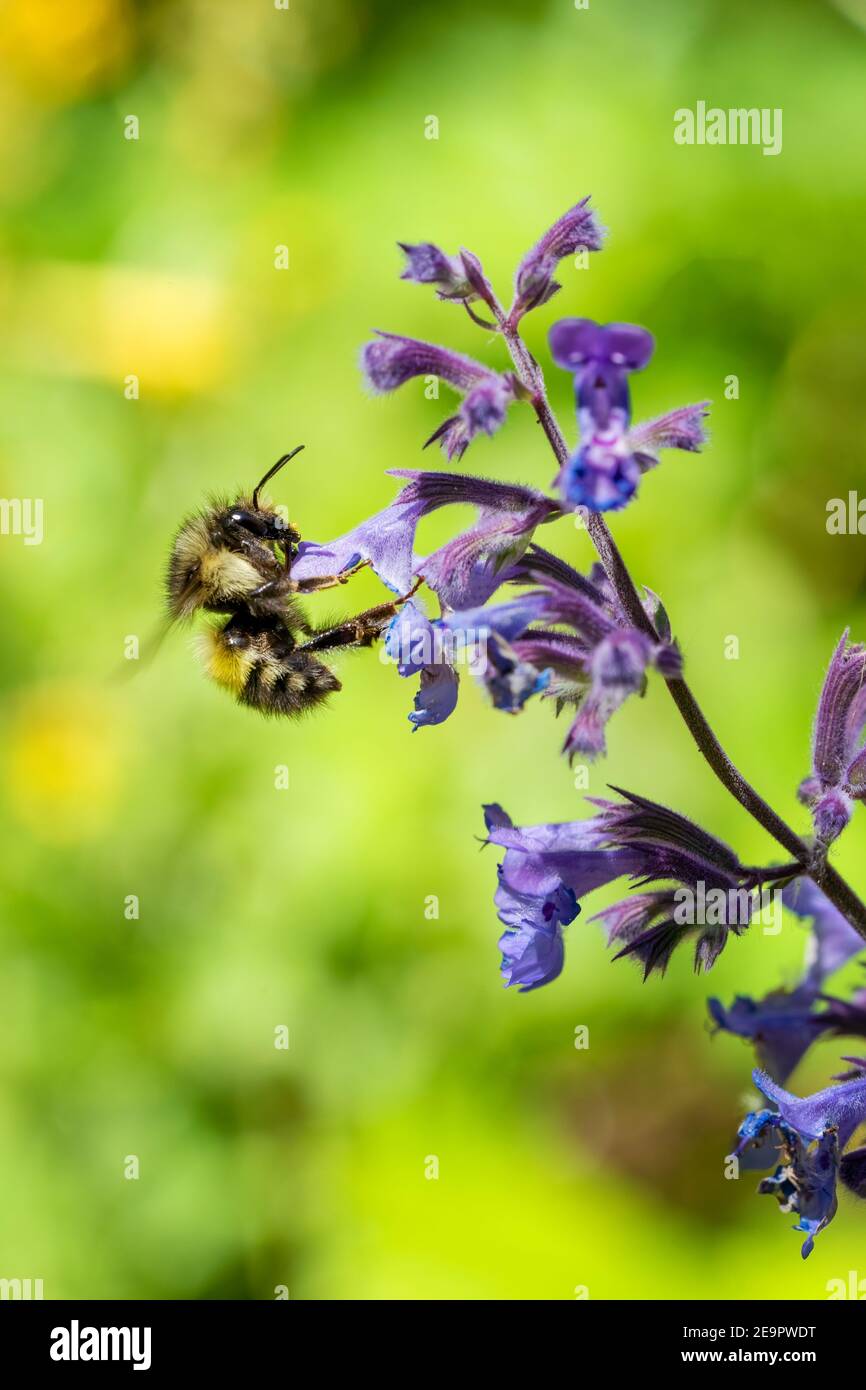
point(234, 560)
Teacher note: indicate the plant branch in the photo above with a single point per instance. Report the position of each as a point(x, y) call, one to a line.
point(824, 875)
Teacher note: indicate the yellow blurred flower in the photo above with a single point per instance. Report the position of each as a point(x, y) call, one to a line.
point(147, 330)
point(61, 50)
point(62, 762)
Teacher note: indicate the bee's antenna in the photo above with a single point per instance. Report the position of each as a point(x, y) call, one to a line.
point(280, 463)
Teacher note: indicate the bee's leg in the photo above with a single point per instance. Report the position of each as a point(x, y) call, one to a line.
point(285, 584)
point(360, 631)
point(326, 581)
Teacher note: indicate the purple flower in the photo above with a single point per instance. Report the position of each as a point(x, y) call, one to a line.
point(586, 349)
point(468, 569)
point(833, 941)
point(533, 951)
point(416, 646)
point(710, 898)
point(617, 669)
point(679, 429)
point(482, 412)
point(604, 471)
point(432, 648)
point(426, 264)
point(390, 361)
point(602, 661)
point(459, 277)
point(634, 838)
point(545, 871)
point(783, 1025)
point(807, 1136)
point(838, 764)
point(577, 230)
point(386, 541)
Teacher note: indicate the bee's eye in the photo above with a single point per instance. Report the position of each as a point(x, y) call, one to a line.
point(250, 521)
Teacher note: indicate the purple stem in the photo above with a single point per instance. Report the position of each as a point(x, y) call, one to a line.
point(824, 875)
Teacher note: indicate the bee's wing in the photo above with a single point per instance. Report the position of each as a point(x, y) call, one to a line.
point(146, 652)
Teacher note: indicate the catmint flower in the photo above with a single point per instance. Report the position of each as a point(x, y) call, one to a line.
point(838, 776)
point(488, 634)
point(832, 942)
point(678, 429)
point(415, 644)
point(600, 356)
point(617, 669)
point(459, 277)
point(807, 1135)
point(605, 660)
point(426, 264)
point(783, 1025)
point(432, 648)
point(546, 870)
point(533, 950)
point(389, 361)
point(637, 839)
point(604, 471)
point(577, 230)
point(466, 570)
point(717, 900)
point(386, 541)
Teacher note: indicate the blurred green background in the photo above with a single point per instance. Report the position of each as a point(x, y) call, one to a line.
point(259, 907)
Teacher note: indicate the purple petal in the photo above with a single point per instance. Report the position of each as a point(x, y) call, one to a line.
point(531, 956)
point(841, 1107)
point(852, 1171)
point(412, 641)
point(576, 230)
point(603, 474)
point(508, 620)
point(782, 1027)
point(832, 748)
point(617, 669)
point(679, 429)
point(561, 837)
point(576, 342)
point(833, 941)
point(484, 407)
point(391, 360)
point(437, 696)
point(426, 264)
